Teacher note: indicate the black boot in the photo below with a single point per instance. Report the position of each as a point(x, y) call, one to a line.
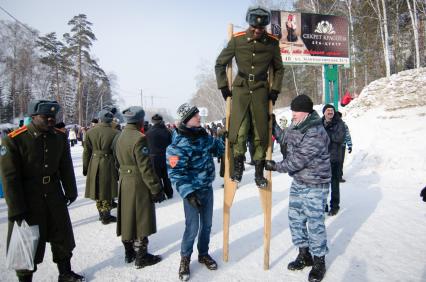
point(304, 258)
point(129, 251)
point(66, 274)
point(207, 260)
point(318, 270)
point(143, 258)
point(184, 268)
point(107, 218)
point(25, 278)
point(260, 180)
point(238, 168)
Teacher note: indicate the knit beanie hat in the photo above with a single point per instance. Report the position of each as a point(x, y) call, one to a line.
point(186, 112)
point(302, 103)
point(327, 107)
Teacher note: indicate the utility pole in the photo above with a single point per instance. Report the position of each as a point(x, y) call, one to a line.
point(141, 99)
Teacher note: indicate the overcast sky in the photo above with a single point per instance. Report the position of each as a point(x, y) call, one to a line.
point(156, 46)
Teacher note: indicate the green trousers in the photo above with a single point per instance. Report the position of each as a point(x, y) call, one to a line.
point(248, 125)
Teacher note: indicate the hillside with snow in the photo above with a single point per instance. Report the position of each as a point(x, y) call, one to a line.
point(378, 235)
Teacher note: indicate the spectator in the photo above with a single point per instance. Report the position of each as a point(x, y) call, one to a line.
point(73, 137)
point(159, 137)
point(336, 132)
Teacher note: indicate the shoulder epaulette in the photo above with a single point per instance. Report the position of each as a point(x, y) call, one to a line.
point(239, 33)
point(18, 131)
point(273, 36)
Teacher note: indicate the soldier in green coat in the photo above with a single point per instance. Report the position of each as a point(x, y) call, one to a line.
point(38, 180)
point(255, 51)
point(139, 189)
point(99, 166)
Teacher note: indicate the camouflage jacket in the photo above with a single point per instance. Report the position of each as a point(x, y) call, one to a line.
point(307, 159)
point(190, 159)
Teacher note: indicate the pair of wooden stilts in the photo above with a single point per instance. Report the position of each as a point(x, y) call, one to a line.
point(230, 187)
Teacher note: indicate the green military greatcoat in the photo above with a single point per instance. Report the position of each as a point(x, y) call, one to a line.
point(137, 182)
point(253, 57)
point(99, 164)
point(38, 175)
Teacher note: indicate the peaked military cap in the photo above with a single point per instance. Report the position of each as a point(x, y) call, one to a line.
point(43, 107)
point(258, 16)
point(105, 116)
point(134, 114)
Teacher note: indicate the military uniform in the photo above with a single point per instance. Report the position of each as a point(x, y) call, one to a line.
point(250, 87)
point(99, 165)
point(35, 166)
point(139, 189)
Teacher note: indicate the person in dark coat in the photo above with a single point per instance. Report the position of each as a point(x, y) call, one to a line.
point(139, 189)
point(99, 166)
point(159, 137)
point(335, 128)
point(38, 180)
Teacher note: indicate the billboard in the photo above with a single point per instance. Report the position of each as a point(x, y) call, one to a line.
point(311, 38)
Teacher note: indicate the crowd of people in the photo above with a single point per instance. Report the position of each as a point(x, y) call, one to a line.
point(142, 163)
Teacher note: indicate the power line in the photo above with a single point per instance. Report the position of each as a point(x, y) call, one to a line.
point(18, 21)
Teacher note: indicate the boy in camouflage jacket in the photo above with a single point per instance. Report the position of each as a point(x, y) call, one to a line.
point(191, 170)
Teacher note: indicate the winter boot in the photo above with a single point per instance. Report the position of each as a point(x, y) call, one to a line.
point(208, 261)
point(66, 274)
point(25, 278)
point(238, 168)
point(184, 268)
point(260, 180)
point(107, 218)
point(129, 251)
point(333, 211)
point(143, 258)
point(318, 270)
point(326, 208)
point(304, 258)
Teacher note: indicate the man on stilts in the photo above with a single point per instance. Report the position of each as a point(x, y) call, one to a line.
point(255, 51)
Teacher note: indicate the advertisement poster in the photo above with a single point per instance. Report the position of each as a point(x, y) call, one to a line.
point(311, 38)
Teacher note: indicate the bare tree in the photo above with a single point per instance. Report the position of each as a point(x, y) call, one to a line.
point(415, 25)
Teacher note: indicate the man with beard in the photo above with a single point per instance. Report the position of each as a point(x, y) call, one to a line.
point(255, 51)
point(39, 182)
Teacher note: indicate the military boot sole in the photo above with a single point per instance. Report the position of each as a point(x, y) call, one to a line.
point(212, 266)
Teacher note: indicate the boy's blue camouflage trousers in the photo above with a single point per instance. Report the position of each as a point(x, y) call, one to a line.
point(306, 216)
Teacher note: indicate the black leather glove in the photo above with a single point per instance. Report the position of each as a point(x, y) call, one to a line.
point(193, 200)
point(273, 96)
point(84, 173)
point(270, 165)
point(18, 218)
point(226, 92)
point(349, 150)
point(158, 198)
point(423, 194)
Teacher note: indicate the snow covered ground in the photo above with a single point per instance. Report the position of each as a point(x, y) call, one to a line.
point(378, 235)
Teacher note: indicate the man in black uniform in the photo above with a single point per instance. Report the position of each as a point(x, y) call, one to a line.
point(39, 182)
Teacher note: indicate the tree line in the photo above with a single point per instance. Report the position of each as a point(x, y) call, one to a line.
point(49, 67)
point(386, 37)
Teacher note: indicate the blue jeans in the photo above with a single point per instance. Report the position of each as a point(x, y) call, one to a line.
point(198, 222)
